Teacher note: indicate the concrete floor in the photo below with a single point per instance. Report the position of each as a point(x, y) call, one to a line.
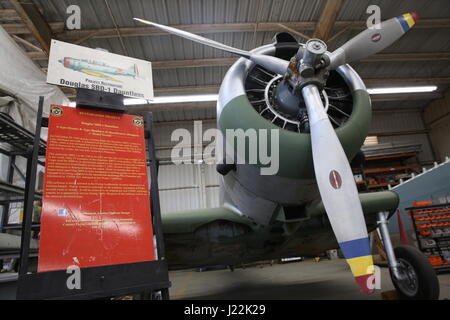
point(327, 279)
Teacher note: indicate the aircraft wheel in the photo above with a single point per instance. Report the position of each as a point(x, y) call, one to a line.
point(420, 281)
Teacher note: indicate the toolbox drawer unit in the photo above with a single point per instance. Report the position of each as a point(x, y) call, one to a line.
point(432, 227)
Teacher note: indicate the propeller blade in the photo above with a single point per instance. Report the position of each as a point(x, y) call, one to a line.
point(197, 38)
point(373, 40)
point(271, 63)
point(338, 191)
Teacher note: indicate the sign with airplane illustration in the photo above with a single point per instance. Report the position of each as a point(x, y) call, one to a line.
point(80, 67)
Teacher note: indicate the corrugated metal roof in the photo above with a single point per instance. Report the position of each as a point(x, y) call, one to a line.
point(185, 11)
point(356, 10)
point(168, 47)
point(410, 69)
point(4, 4)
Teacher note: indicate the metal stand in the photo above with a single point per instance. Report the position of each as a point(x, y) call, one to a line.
point(101, 281)
point(154, 193)
point(30, 186)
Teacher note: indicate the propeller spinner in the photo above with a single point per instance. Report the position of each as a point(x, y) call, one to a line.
point(303, 78)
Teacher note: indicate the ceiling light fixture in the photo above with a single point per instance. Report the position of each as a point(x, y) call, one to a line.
point(390, 90)
point(172, 99)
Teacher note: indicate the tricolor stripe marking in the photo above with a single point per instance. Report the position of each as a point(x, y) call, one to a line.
point(359, 258)
point(366, 283)
point(406, 21)
point(361, 266)
point(355, 248)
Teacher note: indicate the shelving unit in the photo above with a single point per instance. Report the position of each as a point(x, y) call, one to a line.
point(15, 141)
point(382, 185)
point(18, 139)
point(386, 166)
point(392, 169)
point(432, 227)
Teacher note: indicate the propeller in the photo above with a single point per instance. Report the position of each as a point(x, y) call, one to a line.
point(338, 191)
point(334, 176)
point(373, 40)
point(271, 63)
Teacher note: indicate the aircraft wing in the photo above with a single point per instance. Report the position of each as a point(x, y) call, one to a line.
point(220, 236)
point(372, 203)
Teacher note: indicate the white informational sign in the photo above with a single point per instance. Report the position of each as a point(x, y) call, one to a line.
point(15, 213)
point(80, 67)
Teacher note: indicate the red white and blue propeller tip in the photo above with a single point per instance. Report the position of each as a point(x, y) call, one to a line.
point(408, 20)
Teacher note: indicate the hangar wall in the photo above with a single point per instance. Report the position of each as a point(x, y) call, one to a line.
point(184, 186)
point(437, 120)
point(401, 127)
point(195, 185)
point(188, 186)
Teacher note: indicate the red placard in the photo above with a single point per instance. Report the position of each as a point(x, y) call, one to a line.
point(96, 208)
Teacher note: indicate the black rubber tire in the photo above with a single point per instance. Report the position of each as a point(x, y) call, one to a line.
point(427, 281)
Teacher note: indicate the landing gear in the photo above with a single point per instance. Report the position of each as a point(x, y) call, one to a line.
point(419, 280)
point(412, 275)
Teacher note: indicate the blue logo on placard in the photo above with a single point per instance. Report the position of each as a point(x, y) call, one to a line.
point(62, 212)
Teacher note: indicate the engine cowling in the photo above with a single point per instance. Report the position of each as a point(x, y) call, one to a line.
point(249, 99)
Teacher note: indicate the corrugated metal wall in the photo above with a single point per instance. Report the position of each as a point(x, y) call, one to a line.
point(401, 127)
point(437, 119)
point(184, 186)
point(192, 186)
point(188, 186)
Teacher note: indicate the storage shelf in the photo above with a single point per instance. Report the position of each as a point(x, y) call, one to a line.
point(11, 193)
point(392, 156)
point(429, 211)
point(18, 139)
point(380, 185)
point(433, 225)
point(393, 169)
point(386, 165)
point(433, 218)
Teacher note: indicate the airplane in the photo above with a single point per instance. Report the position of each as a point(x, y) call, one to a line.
point(322, 110)
point(97, 68)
